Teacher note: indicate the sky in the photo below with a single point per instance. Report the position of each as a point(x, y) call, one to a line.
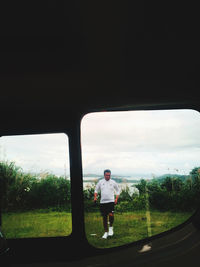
point(37, 153)
point(135, 143)
point(130, 143)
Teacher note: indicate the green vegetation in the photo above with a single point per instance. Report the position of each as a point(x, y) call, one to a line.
point(40, 206)
point(161, 205)
point(38, 223)
point(22, 191)
point(173, 193)
point(128, 227)
point(131, 226)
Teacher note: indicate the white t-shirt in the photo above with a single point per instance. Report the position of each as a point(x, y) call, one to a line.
point(107, 189)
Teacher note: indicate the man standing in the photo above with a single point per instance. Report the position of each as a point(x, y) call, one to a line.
point(107, 188)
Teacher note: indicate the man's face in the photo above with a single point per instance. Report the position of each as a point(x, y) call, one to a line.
point(107, 175)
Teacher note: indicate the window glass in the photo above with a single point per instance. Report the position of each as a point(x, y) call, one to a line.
point(153, 157)
point(35, 186)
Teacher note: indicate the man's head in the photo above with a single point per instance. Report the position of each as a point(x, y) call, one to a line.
point(107, 174)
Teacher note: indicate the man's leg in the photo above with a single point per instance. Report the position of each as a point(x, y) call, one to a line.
point(105, 225)
point(111, 218)
point(105, 222)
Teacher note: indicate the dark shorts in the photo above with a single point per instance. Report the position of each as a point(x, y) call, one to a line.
point(106, 208)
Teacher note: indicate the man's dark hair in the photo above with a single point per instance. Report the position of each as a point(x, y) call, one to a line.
point(107, 170)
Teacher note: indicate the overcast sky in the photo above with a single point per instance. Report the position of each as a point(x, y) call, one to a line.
point(130, 143)
point(141, 142)
point(37, 153)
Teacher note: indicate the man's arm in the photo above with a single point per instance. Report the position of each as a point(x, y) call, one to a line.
point(95, 196)
point(117, 192)
point(96, 192)
point(116, 199)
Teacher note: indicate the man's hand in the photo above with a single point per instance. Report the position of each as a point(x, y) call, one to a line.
point(95, 198)
point(116, 199)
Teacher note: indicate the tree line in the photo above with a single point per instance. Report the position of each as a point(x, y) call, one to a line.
point(25, 191)
point(21, 191)
point(168, 193)
point(173, 193)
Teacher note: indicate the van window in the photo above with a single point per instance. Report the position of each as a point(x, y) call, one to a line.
point(153, 157)
point(35, 186)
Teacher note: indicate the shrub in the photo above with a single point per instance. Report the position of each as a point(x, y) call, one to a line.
point(22, 191)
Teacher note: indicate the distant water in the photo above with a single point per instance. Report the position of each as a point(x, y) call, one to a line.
point(91, 178)
point(126, 178)
point(131, 186)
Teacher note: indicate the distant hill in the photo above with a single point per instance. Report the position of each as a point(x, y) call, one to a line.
point(118, 179)
point(123, 179)
point(163, 177)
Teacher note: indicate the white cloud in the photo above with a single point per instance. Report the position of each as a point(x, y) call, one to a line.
point(135, 142)
point(141, 141)
point(35, 153)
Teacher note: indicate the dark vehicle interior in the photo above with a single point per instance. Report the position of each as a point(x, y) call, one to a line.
point(63, 59)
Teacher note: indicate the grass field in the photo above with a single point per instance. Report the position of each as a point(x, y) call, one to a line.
point(128, 226)
point(36, 224)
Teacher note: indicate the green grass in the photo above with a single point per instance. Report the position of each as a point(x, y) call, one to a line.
point(131, 226)
point(128, 226)
point(39, 223)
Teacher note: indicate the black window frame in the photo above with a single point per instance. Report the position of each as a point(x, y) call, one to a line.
point(76, 246)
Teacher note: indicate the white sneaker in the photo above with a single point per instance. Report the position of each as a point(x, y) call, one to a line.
point(105, 235)
point(110, 233)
